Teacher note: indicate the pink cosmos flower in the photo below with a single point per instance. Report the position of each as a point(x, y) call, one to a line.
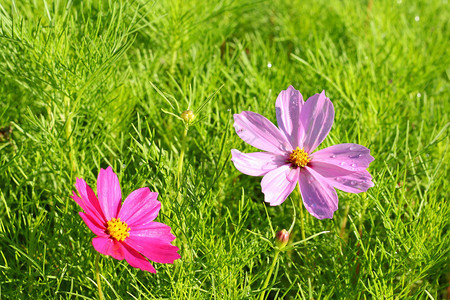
point(125, 232)
point(290, 156)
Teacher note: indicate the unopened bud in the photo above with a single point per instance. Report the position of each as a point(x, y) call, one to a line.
point(282, 238)
point(188, 116)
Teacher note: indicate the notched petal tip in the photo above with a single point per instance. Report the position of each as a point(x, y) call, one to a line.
point(140, 207)
point(325, 217)
point(259, 132)
point(256, 163)
point(290, 88)
point(109, 193)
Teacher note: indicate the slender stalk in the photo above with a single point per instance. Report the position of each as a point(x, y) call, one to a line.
point(266, 282)
point(97, 275)
point(69, 136)
point(302, 224)
point(180, 160)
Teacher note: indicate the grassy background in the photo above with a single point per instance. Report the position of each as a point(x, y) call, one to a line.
point(79, 85)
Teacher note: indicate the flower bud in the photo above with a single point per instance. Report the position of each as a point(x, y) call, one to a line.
point(188, 116)
point(282, 238)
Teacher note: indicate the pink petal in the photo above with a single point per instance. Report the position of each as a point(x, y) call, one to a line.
point(109, 195)
point(136, 260)
point(97, 229)
point(256, 163)
point(109, 246)
point(352, 157)
point(343, 179)
point(318, 195)
point(153, 230)
point(317, 118)
point(278, 184)
point(88, 201)
point(154, 243)
point(140, 207)
point(288, 107)
point(259, 132)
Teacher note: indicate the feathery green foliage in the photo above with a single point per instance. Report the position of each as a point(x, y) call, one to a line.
point(87, 84)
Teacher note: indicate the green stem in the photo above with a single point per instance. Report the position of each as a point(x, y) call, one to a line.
point(266, 282)
point(302, 224)
point(180, 160)
point(97, 275)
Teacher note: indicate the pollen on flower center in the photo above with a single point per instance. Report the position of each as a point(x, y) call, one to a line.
point(299, 157)
point(117, 229)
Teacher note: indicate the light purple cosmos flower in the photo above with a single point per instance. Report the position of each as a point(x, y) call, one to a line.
point(125, 231)
point(290, 156)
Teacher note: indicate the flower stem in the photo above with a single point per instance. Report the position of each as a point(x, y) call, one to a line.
point(97, 275)
point(302, 224)
point(266, 282)
point(180, 160)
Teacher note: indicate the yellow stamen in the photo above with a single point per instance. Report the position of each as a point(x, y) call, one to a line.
point(117, 229)
point(299, 157)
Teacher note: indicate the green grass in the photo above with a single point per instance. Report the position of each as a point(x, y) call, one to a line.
point(87, 84)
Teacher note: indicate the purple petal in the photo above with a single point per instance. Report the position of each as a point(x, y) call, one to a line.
point(278, 184)
point(140, 207)
point(352, 157)
point(136, 260)
point(343, 179)
point(97, 229)
point(317, 118)
point(109, 195)
point(108, 246)
point(256, 163)
point(318, 195)
point(259, 132)
point(154, 243)
point(88, 201)
point(288, 107)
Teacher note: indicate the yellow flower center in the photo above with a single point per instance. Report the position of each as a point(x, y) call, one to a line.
point(117, 229)
point(299, 157)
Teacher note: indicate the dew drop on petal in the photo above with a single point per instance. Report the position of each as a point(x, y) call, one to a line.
point(353, 165)
point(353, 182)
point(342, 163)
point(332, 156)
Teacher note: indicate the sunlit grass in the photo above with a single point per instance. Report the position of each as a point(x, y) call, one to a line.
point(87, 84)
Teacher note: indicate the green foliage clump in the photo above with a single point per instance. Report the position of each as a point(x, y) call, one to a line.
point(88, 84)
